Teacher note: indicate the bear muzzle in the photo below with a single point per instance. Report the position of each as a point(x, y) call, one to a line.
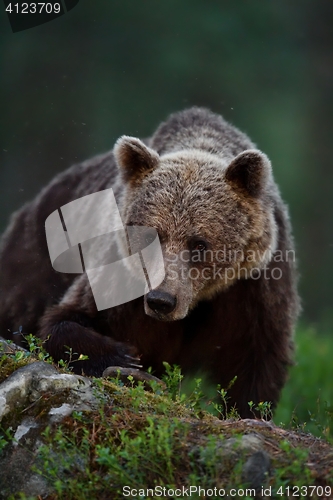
point(161, 303)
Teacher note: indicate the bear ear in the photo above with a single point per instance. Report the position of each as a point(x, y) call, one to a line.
point(249, 171)
point(134, 158)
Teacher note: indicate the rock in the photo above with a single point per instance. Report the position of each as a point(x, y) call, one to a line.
point(138, 376)
point(16, 389)
point(55, 396)
point(9, 347)
point(247, 442)
point(28, 384)
point(23, 429)
point(256, 470)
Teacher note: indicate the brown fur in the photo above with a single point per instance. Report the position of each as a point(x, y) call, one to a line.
point(202, 184)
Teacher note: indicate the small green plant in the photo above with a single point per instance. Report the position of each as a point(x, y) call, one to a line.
point(6, 437)
point(323, 419)
point(222, 408)
point(3, 442)
point(18, 356)
point(73, 357)
point(11, 358)
point(173, 380)
point(293, 471)
point(264, 408)
point(196, 397)
point(36, 347)
point(94, 458)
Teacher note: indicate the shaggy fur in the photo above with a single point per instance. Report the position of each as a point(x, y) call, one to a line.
point(208, 192)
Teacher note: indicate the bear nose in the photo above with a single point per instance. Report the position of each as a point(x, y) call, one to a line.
point(161, 302)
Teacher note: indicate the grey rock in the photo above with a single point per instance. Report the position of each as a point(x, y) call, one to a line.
point(248, 442)
point(23, 429)
point(22, 391)
point(16, 389)
point(58, 414)
point(9, 347)
point(256, 470)
point(26, 385)
point(232, 448)
point(137, 375)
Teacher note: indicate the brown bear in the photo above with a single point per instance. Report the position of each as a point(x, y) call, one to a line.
point(227, 304)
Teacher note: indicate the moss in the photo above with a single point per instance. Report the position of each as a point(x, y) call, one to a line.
point(10, 363)
point(140, 439)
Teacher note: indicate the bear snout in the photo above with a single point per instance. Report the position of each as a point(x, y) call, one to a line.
point(161, 302)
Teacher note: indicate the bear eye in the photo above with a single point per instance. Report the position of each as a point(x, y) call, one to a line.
point(198, 246)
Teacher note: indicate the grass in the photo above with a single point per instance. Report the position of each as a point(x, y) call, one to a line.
point(307, 399)
point(306, 402)
point(141, 439)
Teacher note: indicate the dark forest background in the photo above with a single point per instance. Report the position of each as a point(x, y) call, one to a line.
point(70, 87)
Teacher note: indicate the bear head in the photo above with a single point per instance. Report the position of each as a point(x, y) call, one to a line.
point(214, 216)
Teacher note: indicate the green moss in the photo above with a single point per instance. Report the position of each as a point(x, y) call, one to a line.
point(140, 439)
point(10, 363)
